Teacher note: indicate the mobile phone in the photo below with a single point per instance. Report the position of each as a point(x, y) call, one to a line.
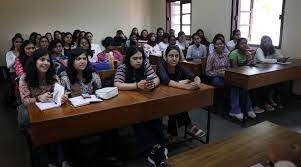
point(86, 95)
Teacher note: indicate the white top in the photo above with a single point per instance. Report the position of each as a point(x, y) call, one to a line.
point(261, 58)
point(163, 46)
point(149, 50)
point(231, 45)
point(96, 50)
point(182, 45)
point(211, 49)
point(10, 61)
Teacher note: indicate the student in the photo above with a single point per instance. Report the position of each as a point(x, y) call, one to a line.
point(12, 54)
point(57, 35)
point(204, 41)
point(58, 58)
point(10, 63)
point(79, 78)
point(37, 39)
point(84, 43)
point(164, 44)
point(181, 42)
point(151, 47)
point(211, 46)
point(143, 36)
point(26, 50)
point(44, 42)
point(36, 86)
point(131, 75)
point(172, 41)
point(132, 41)
point(267, 53)
point(75, 37)
point(32, 36)
point(82, 34)
point(136, 32)
point(49, 36)
point(95, 48)
point(240, 57)
point(67, 42)
point(172, 73)
point(160, 33)
point(197, 50)
point(217, 62)
point(120, 38)
point(110, 54)
point(172, 32)
point(234, 38)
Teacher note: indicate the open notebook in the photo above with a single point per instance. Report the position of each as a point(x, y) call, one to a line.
point(80, 101)
point(56, 101)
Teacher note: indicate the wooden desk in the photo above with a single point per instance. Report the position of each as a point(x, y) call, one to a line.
point(263, 74)
point(128, 108)
point(197, 67)
point(245, 149)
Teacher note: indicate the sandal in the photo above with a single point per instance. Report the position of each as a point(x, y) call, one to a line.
point(196, 132)
point(268, 107)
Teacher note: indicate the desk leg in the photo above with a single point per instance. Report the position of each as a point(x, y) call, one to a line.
point(208, 124)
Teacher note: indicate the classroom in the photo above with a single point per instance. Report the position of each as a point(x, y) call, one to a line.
point(154, 83)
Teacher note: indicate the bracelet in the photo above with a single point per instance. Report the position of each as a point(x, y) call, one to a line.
point(137, 85)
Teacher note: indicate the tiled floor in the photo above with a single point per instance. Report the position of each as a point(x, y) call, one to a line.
point(14, 152)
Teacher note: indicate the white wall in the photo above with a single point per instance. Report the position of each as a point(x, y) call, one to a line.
point(101, 17)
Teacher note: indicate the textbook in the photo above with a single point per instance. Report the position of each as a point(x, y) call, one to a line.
point(80, 101)
point(56, 101)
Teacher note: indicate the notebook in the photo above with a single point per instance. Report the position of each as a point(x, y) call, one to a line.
point(80, 101)
point(56, 101)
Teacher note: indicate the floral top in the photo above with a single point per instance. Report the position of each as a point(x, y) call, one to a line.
point(29, 95)
point(80, 87)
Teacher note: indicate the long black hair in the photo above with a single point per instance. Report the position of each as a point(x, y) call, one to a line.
point(13, 41)
point(72, 72)
point(53, 44)
point(31, 70)
point(23, 57)
point(233, 33)
point(75, 36)
point(32, 36)
point(35, 39)
point(129, 73)
point(267, 50)
point(64, 42)
point(141, 35)
point(137, 34)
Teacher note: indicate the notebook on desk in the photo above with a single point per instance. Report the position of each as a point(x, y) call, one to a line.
point(56, 101)
point(80, 101)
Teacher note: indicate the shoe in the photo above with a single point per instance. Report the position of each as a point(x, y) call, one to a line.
point(196, 132)
point(258, 110)
point(239, 116)
point(268, 107)
point(273, 103)
point(158, 156)
point(251, 114)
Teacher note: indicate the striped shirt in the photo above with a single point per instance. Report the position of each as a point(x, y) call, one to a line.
point(120, 75)
point(217, 64)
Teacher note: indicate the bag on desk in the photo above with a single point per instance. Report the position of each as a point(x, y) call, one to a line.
point(106, 93)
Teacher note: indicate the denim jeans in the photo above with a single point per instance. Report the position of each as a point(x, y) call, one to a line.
point(235, 94)
point(217, 81)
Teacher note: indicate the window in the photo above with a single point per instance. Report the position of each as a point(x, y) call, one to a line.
point(179, 15)
point(256, 18)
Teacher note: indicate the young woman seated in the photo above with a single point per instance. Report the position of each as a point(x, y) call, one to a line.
point(172, 73)
point(211, 46)
point(110, 53)
point(131, 75)
point(58, 58)
point(197, 50)
point(151, 47)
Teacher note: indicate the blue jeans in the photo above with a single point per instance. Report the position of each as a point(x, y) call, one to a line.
point(217, 81)
point(235, 94)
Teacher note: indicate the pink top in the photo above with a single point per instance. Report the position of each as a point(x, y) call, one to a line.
point(102, 56)
point(19, 67)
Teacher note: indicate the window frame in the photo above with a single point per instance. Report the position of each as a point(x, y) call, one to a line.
point(168, 14)
point(235, 19)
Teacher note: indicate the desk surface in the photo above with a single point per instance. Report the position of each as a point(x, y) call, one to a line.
point(250, 77)
point(244, 149)
point(129, 107)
